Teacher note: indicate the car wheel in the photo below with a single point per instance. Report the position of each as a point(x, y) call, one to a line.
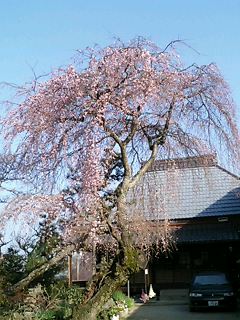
point(233, 307)
point(192, 309)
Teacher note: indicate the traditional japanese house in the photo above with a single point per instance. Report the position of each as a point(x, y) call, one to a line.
point(202, 202)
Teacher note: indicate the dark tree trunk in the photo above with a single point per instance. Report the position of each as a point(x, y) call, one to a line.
point(94, 306)
point(116, 277)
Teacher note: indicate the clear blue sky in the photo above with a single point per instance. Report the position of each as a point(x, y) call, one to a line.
point(44, 34)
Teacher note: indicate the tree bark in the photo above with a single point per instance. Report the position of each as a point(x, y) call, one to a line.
point(117, 277)
point(94, 306)
point(43, 268)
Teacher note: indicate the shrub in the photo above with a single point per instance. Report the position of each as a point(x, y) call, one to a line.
point(120, 298)
point(49, 315)
point(129, 302)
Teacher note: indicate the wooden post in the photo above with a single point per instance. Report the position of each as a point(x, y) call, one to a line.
point(128, 289)
point(78, 267)
point(69, 270)
point(146, 279)
point(94, 259)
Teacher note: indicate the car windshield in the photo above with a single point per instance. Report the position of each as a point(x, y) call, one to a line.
point(213, 279)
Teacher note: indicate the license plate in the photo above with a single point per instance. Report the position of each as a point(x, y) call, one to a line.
point(212, 303)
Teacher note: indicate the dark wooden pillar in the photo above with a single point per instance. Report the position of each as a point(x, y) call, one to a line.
point(69, 270)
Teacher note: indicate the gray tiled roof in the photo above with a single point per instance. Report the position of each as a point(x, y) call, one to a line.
point(186, 190)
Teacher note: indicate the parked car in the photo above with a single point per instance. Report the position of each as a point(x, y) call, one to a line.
point(211, 290)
